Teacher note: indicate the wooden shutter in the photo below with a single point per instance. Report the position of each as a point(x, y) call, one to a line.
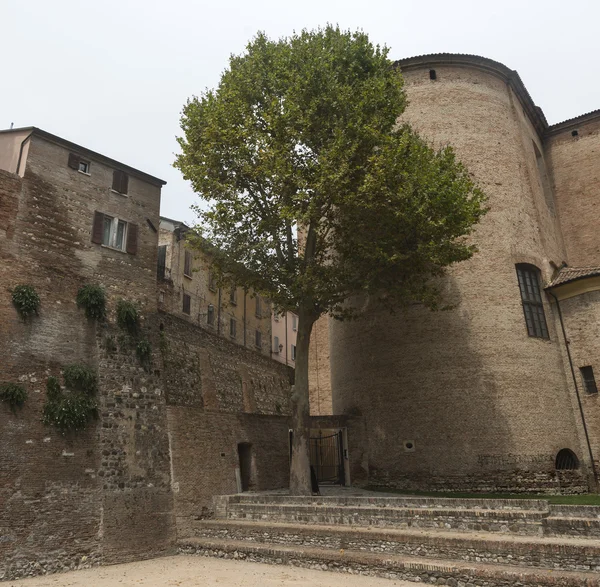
point(74, 161)
point(120, 181)
point(132, 238)
point(116, 180)
point(124, 183)
point(98, 228)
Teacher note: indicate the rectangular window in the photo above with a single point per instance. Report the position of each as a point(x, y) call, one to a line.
point(293, 352)
point(210, 315)
point(589, 381)
point(115, 233)
point(187, 264)
point(258, 338)
point(187, 304)
point(120, 182)
point(258, 307)
point(276, 344)
point(84, 167)
point(233, 296)
point(232, 327)
point(212, 282)
point(161, 263)
point(294, 322)
point(533, 307)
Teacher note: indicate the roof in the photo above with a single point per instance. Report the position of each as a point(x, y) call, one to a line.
point(568, 274)
point(535, 113)
point(33, 130)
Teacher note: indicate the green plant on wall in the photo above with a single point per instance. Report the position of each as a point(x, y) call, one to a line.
point(26, 300)
point(92, 299)
point(143, 350)
point(71, 410)
point(13, 394)
point(128, 316)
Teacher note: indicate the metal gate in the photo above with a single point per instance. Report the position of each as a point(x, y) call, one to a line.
point(326, 456)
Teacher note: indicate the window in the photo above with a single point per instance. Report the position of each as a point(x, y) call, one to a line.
point(187, 264)
point(258, 307)
point(566, 460)
point(77, 163)
point(210, 315)
point(294, 322)
point(589, 381)
point(115, 233)
point(84, 167)
point(212, 282)
point(232, 327)
point(161, 262)
point(432, 74)
point(233, 296)
point(293, 352)
point(276, 344)
point(533, 307)
point(258, 338)
point(187, 304)
point(120, 182)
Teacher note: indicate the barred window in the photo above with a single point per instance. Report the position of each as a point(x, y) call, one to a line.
point(533, 307)
point(210, 315)
point(589, 381)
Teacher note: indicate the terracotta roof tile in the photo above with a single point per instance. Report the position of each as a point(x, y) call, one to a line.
point(567, 274)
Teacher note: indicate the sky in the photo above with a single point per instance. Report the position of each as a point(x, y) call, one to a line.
point(113, 75)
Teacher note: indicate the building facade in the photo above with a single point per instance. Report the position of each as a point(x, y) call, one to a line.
point(187, 289)
point(284, 328)
point(496, 394)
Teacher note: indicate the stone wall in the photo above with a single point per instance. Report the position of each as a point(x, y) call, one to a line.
point(465, 398)
point(319, 369)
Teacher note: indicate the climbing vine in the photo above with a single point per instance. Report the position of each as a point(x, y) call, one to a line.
point(92, 299)
point(26, 300)
point(128, 316)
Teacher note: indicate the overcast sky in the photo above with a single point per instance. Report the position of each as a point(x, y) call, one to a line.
point(114, 75)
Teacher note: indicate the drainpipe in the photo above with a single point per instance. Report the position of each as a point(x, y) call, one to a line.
point(587, 436)
point(219, 314)
point(245, 294)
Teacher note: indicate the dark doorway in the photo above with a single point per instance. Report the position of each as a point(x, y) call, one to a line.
point(326, 457)
point(245, 456)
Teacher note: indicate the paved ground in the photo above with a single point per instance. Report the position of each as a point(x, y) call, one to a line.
point(192, 571)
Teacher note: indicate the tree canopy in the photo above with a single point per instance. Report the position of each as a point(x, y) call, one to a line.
point(301, 136)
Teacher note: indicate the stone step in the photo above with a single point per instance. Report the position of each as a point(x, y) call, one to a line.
point(571, 526)
point(546, 552)
point(472, 519)
point(412, 502)
point(411, 568)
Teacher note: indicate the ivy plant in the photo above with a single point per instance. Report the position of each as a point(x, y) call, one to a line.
point(143, 351)
point(81, 378)
point(26, 300)
point(127, 316)
point(13, 394)
point(92, 299)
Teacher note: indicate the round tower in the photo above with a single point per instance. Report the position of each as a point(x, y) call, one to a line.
point(475, 397)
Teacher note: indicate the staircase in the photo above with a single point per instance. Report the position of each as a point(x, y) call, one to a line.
point(456, 542)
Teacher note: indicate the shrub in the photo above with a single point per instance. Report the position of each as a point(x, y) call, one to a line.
point(127, 316)
point(13, 394)
point(93, 300)
point(144, 351)
point(69, 412)
point(53, 390)
point(25, 300)
point(80, 378)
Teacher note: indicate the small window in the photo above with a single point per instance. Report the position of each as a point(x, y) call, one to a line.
point(276, 344)
point(589, 381)
point(115, 233)
point(120, 182)
point(212, 282)
point(294, 322)
point(84, 167)
point(432, 74)
point(258, 338)
point(232, 327)
point(233, 296)
point(566, 460)
point(210, 315)
point(258, 307)
point(293, 352)
point(187, 264)
point(533, 307)
point(187, 304)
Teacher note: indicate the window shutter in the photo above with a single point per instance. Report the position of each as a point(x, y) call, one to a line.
point(73, 161)
point(132, 238)
point(124, 183)
point(116, 180)
point(98, 228)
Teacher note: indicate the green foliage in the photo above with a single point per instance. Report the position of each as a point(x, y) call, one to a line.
point(53, 390)
point(127, 316)
point(69, 412)
point(143, 351)
point(25, 300)
point(13, 394)
point(110, 344)
point(81, 378)
point(302, 132)
point(92, 298)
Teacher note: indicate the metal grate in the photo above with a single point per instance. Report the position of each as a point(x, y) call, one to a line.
point(533, 307)
point(566, 460)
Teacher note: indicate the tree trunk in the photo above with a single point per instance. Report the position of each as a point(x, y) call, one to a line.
point(300, 483)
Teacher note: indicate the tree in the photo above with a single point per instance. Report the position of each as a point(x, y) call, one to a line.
point(301, 136)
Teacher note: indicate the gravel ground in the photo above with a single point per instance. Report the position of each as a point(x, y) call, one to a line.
point(190, 571)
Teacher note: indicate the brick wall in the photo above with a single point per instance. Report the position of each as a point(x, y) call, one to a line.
point(319, 369)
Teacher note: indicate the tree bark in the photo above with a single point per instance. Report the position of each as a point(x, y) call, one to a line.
point(300, 483)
